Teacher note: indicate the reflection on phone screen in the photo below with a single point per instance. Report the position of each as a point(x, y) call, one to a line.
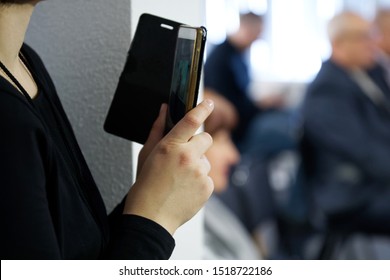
point(180, 80)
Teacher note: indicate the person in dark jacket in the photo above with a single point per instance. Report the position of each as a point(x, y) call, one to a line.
point(226, 72)
point(347, 132)
point(49, 203)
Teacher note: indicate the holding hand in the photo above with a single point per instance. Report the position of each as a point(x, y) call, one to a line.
point(173, 182)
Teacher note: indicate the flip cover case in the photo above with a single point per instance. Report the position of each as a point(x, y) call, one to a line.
point(145, 81)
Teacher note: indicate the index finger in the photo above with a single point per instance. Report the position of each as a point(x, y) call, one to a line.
point(190, 123)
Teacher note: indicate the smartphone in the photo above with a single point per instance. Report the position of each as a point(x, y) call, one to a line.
point(187, 69)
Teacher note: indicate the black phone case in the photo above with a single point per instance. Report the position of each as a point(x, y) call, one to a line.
point(145, 81)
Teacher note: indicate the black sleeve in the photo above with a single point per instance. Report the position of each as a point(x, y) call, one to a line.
point(137, 238)
point(27, 231)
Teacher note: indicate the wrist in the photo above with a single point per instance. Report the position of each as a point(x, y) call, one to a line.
point(149, 209)
point(165, 223)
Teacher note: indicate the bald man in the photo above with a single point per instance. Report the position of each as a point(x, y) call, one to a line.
point(347, 132)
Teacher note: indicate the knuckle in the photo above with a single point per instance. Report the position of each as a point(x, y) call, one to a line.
point(193, 120)
point(185, 158)
point(198, 172)
point(207, 186)
point(164, 148)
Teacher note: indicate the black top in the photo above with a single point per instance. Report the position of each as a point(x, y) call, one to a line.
point(226, 72)
point(49, 203)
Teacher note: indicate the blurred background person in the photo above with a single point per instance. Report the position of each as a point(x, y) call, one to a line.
point(263, 131)
point(268, 189)
point(225, 235)
point(227, 72)
point(382, 22)
point(346, 143)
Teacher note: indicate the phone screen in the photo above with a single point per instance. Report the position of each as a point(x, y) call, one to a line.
point(181, 75)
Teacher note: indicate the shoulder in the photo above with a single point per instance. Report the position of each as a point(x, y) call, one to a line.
point(330, 72)
point(220, 53)
point(220, 62)
point(331, 88)
point(14, 108)
point(41, 73)
point(32, 56)
point(217, 215)
point(37, 66)
point(331, 79)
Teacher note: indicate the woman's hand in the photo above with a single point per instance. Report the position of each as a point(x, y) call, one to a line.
point(173, 182)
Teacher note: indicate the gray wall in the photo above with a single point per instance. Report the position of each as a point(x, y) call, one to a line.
point(84, 44)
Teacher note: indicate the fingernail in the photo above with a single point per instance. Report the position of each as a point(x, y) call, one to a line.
point(209, 102)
